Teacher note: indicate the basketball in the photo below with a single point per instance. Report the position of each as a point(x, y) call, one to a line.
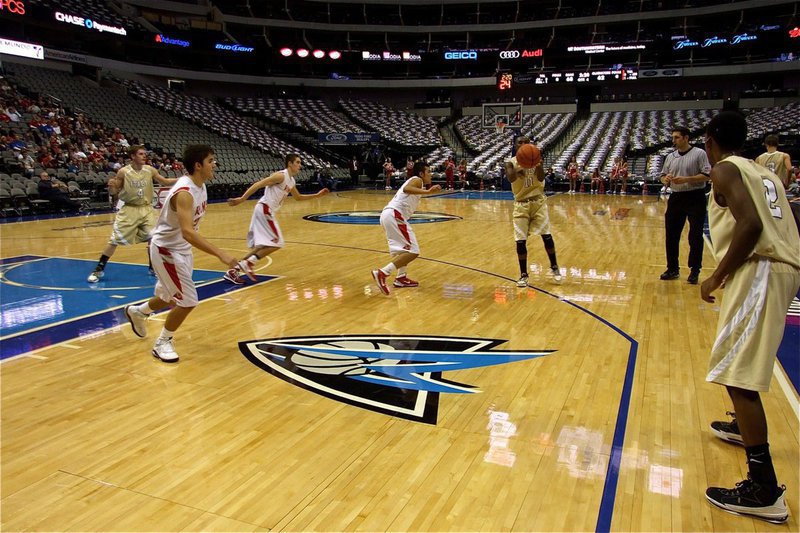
point(528, 155)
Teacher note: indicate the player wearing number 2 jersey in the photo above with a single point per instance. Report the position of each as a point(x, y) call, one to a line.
point(530, 213)
point(757, 247)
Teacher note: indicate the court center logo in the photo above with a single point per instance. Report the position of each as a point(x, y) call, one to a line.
point(374, 217)
point(398, 375)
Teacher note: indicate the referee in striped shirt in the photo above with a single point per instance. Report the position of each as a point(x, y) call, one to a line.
point(686, 171)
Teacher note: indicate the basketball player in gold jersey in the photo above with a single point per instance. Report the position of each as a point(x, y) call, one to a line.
point(757, 247)
point(136, 218)
point(778, 162)
point(530, 213)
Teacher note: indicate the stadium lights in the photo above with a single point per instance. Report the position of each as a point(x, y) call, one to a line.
point(303, 53)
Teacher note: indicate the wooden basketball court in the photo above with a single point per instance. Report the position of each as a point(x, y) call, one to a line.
point(605, 429)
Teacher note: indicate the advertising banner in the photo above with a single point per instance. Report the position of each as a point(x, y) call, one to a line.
point(348, 138)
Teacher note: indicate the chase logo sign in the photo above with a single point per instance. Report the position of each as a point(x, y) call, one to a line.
point(398, 375)
point(374, 217)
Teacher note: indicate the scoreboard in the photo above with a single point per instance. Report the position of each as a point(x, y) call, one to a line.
point(582, 76)
point(505, 80)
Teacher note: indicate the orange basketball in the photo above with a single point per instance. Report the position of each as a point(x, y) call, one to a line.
point(528, 155)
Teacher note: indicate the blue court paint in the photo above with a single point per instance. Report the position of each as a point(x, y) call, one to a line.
point(788, 354)
point(48, 300)
point(480, 195)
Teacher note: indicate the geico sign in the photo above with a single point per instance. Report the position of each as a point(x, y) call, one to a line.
point(461, 54)
point(514, 54)
point(12, 6)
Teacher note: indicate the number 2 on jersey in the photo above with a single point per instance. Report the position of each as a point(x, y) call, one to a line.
point(772, 198)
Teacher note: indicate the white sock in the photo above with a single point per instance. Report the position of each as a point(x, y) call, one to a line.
point(145, 308)
point(165, 335)
point(253, 258)
point(401, 272)
point(388, 269)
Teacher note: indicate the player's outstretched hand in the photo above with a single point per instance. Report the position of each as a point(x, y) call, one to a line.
point(435, 188)
point(228, 259)
point(708, 286)
point(235, 201)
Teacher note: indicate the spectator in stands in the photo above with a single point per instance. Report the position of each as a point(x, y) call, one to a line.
point(14, 143)
point(794, 183)
point(614, 176)
point(686, 171)
point(354, 167)
point(779, 163)
point(462, 174)
point(572, 174)
point(27, 162)
point(596, 180)
point(623, 175)
point(409, 167)
point(549, 179)
point(56, 192)
point(388, 171)
point(12, 114)
point(325, 179)
point(449, 173)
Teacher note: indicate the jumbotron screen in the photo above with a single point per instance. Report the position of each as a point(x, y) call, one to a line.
point(506, 80)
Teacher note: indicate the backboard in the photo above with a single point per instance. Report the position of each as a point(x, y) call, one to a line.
point(494, 112)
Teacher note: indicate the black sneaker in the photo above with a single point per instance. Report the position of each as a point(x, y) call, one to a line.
point(670, 274)
point(751, 499)
point(728, 431)
point(694, 277)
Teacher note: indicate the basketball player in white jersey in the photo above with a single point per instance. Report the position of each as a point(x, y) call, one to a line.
point(264, 236)
point(175, 234)
point(136, 217)
point(403, 245)
point(756, 244)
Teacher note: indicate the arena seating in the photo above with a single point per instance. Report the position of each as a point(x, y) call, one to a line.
point(310, 115)
point(157, 129)
point(404, 129)
point(216, 118)
point(495, 147)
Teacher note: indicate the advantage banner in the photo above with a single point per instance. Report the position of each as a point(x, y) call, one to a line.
point(348, 138)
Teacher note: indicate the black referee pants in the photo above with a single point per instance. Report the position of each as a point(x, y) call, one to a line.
point(683, 205)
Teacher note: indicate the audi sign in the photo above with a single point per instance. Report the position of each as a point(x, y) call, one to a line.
point(516, 54)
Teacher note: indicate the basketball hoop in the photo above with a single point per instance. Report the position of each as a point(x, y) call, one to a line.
point(500, 126)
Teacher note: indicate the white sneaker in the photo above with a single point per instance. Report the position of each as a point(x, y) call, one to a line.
point(165, 351)
point(95, 276)
point(137, 320)
point(522, 281)
point(556, 274)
